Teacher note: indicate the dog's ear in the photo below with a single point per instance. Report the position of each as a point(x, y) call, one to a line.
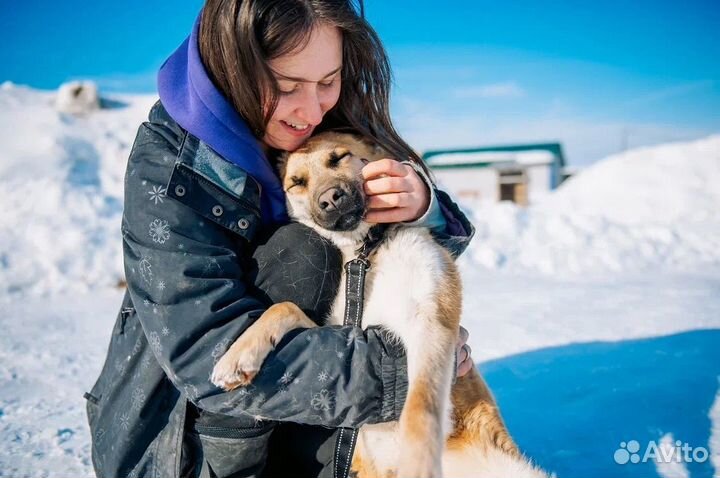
point(378, 152)
point(370, 150)
point(375, 151)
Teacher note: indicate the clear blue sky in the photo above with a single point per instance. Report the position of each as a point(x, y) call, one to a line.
point(597, 75)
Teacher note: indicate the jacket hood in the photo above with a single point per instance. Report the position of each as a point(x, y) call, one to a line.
point(193, 101)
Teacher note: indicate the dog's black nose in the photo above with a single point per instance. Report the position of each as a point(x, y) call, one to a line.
point(331, 199)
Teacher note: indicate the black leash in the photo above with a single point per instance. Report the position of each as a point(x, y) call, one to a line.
point(355, 272)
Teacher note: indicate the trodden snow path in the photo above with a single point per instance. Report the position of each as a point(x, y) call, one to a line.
point(52, 350)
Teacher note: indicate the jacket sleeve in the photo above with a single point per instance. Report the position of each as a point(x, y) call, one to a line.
point(185, 274)
point(458, 231)
point(448, 224)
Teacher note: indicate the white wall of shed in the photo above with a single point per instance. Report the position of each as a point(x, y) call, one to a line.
point(468, 184)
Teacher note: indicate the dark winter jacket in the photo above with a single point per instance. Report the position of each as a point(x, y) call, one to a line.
point(189, 224)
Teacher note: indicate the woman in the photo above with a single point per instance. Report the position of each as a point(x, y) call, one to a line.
point(207, 248)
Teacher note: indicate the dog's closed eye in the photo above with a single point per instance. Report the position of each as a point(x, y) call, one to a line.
point(297, 181)
point(336, 156)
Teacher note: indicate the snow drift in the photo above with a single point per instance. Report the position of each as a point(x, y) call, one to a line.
point(61, 179)
point(655, 208)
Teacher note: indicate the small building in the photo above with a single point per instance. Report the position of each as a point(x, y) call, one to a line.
point(518, 173)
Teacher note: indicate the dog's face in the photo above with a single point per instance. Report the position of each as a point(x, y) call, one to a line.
point(323, 181)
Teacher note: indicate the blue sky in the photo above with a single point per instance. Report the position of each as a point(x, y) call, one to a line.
point(598, 76)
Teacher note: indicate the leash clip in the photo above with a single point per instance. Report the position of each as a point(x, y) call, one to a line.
point(362, 259)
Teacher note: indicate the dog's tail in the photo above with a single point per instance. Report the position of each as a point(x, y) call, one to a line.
point(481, 445)
point(476, 417)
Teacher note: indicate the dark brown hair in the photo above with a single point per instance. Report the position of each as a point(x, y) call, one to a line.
point(239, 37)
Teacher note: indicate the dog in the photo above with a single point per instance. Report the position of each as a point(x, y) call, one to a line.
point(413, 290)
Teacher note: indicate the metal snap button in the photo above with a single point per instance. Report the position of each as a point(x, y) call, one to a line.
point(217, 211)
point(243, 223)
point(180, 190)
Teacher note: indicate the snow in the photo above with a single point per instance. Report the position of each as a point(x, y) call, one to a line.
point(671, 468)
point(50, 353)
point(647, 209)
point(61, 181)
point(714, 440)
point(594, 314)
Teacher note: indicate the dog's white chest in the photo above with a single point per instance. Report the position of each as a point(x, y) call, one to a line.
point(402, 278)
point(401, 292)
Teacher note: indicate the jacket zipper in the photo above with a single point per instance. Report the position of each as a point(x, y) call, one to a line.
point(228, 432)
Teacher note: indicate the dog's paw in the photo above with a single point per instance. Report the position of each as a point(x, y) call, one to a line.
point(238, 367)
point(230, 378)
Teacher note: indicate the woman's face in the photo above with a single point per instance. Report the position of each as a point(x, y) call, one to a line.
point(309, 81)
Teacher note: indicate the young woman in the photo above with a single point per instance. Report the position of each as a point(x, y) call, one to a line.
point(207, 248)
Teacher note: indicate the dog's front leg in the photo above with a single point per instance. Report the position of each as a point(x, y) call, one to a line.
point(423, 422)
point(239, 365)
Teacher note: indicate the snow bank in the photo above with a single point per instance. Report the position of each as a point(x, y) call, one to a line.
point(654, 208)
point(61, 187)
point(61, 180)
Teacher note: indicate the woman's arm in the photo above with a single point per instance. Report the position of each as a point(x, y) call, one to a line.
point(185, 273)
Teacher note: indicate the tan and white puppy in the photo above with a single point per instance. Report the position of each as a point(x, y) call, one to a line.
point(413, 290)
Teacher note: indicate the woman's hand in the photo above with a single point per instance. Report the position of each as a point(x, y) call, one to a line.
point(464, 358)
point(396, 192)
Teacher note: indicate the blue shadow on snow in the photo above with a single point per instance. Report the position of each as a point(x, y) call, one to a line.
point(570, 407)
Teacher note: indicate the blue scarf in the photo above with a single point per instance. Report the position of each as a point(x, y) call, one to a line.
point(193, 101)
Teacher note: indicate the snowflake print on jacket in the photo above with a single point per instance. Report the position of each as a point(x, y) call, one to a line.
point(155, 342)
point(286, 378)
point(157, 194)
point(146, 271)
point(323, 400)
point(159, 231)
point(138, 399)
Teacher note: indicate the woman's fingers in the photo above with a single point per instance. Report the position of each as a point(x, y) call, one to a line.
point(464, 353)
point(464, 360)
point(389, 184)
point(387, 166)
point(384, 201)
point(395, 192)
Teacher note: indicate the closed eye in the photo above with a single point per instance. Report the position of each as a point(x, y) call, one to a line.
point(336, 156)
point(290, 91)
point(297, 181)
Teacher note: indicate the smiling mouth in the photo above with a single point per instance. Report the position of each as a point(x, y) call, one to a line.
point(296, 129)
point(297, 126)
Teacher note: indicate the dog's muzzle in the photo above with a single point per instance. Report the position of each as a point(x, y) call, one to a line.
point(341, 207)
